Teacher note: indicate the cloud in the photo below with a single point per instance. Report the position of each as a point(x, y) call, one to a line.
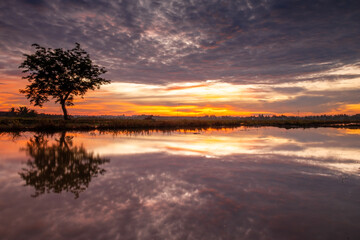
point(185, 87)
point(316, 101)
point(175, 41)
point(280, 51)
point(288, 90)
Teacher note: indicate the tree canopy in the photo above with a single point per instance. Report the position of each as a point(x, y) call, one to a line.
point(22, 112)
point(60, 74)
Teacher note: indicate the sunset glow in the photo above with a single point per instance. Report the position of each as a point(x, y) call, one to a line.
point(199, 99)
point(219, 59)
point(179, 119)
point(212, 144)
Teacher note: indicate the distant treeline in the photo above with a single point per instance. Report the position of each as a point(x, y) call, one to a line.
point(20, 112)
point(27, 112)
point(45, 123)
point(284, 117)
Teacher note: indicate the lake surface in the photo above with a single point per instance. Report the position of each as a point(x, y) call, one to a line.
point(242, 183)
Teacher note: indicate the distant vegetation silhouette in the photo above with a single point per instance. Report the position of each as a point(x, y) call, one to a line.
point(59, 166)
point(22, 112)
point(60, 74)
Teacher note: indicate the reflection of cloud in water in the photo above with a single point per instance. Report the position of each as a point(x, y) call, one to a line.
point(315, 144)
point(265, 183)
point(162, 196)
point(352, 131)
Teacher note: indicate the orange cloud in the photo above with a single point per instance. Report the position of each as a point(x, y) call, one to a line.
point(181, 149)
point(347, 108)
point(186, 99)
point(185, 87)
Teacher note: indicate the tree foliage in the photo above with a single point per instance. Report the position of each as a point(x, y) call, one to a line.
point(60, 74)
point(23, 112)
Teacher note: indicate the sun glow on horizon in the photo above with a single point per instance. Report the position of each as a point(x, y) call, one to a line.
point(212, 97)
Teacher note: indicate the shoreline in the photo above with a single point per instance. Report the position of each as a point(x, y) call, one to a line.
point(90, 124)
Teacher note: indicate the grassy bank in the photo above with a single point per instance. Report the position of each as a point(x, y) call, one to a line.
point(8, 124)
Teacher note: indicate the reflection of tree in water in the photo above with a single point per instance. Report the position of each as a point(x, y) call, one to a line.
point(60, 166)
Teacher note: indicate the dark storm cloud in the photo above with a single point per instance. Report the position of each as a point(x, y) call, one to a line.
point(249, 41)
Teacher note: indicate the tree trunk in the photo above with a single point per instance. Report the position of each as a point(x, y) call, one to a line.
point(64, 111)
point(62, 141)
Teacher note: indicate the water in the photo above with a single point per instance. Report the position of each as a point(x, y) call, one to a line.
point(243, 183)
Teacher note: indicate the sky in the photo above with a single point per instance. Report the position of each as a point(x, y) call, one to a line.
point(194, 57)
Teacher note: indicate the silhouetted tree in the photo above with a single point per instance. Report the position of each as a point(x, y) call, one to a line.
point(59, 166)
point(22, 112)
point(12, 112)
point(60, 74)
point(25, 112)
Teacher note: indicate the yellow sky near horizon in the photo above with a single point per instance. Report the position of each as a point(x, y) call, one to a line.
point(211, 97)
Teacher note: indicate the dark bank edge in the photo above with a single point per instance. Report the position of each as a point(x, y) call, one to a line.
point(89, 124)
